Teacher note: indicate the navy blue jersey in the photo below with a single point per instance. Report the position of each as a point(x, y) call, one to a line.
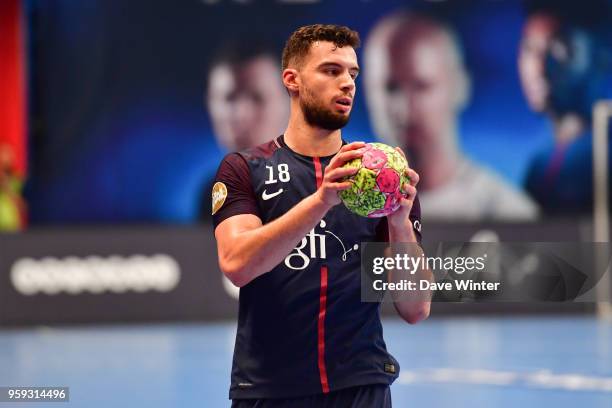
point(302, 328)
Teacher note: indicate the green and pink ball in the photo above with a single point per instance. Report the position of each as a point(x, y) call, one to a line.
point(376, 189)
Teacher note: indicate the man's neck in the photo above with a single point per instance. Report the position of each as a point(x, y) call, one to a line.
point(308, 140)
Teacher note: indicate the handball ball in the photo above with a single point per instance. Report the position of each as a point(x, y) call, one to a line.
point(376, 187)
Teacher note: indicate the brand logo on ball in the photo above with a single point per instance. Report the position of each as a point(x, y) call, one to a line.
point(219, 194)
point(376, 189)
point(317, 248)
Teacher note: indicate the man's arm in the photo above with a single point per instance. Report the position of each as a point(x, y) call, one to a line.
point(401, 230)
point(248, 249)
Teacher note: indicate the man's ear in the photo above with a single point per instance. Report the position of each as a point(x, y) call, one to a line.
point(291, 80)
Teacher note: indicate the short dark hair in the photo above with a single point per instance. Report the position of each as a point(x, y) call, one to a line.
point(298, 44)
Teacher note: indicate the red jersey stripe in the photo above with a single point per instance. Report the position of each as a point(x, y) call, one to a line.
point(321, 330)
point(322, 301)
point(318, 171)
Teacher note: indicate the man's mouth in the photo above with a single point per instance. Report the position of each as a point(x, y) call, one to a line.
point(344, 104)
point(344, 101)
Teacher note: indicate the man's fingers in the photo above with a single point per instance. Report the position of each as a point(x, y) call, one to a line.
point(409, 190)
point(351, 146)
point(340, 172)
point(414, 176)
point(400, 151)
point(340, 186)
point(349, 155)
point(346, 148)
point(341, 158)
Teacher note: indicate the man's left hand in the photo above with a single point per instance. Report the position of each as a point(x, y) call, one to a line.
point(401, 216)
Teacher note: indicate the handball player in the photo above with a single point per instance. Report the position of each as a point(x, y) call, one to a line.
point(304, 337)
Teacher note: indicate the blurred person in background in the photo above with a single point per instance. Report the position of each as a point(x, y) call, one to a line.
point(416, 88)
point(245, 98)
point(562, 71)
point(12, 206)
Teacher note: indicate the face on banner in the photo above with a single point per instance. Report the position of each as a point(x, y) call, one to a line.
point(473, 116)
point(247, 102)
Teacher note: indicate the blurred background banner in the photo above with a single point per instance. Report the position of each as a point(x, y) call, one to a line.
point(133, 104)
point(111, 275)
point(161, 274)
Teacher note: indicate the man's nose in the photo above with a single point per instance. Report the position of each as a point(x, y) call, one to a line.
point(348, 83)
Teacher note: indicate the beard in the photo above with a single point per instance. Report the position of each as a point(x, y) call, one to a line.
point(318, 116)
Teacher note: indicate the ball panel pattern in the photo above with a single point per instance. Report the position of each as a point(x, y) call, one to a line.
point(376, 187)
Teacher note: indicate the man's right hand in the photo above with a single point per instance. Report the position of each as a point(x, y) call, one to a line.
point(334, 173)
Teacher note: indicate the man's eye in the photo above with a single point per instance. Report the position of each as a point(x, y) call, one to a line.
point(332, 71)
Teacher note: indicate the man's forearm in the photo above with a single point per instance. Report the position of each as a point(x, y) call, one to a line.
point(259, 250)
point(402, 233)
point(414, 307)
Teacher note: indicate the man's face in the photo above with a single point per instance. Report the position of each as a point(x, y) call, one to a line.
point(413, 89)
point(327, 85)
point(538, 34)
point(247, 103)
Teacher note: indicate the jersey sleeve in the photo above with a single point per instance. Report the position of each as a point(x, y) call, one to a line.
point(232, 192)
point(382, 231)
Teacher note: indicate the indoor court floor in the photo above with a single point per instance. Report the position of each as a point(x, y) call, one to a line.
point(463, 362)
